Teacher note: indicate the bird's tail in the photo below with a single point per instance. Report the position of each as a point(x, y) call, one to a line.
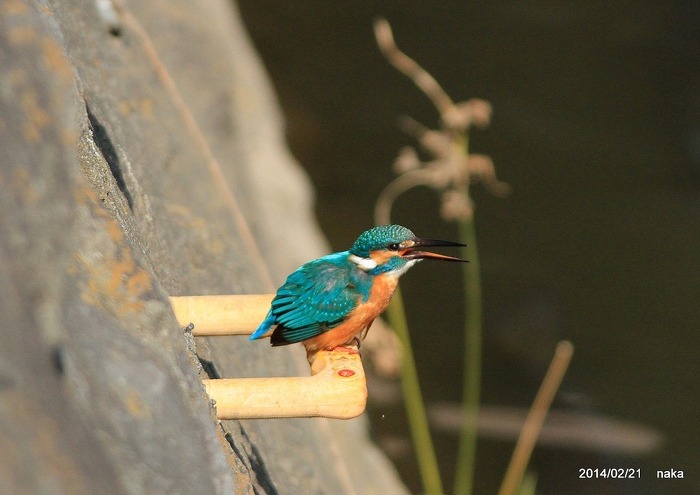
point(264, 327)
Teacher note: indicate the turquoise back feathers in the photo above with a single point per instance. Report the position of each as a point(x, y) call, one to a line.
point(322, 294)
point(316, 298)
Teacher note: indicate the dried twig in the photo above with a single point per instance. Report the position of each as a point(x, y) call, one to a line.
point(535, 418)
point(409, 67)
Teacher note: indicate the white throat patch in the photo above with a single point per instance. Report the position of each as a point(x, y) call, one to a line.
point(365, 264)
point(400, 271)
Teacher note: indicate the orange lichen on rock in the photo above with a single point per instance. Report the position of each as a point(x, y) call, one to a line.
point(112, 278)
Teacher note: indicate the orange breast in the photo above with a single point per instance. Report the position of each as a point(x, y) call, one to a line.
point(359, 319)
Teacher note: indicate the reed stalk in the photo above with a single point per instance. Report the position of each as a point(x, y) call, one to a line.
point(471, 378)
point(413, 402)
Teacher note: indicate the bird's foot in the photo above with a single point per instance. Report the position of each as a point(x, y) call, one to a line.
point(347, 348)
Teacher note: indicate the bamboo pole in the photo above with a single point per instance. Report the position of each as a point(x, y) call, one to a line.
point(336, 388)
point(238, 314)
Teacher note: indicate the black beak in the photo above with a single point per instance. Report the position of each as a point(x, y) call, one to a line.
point(413, 254)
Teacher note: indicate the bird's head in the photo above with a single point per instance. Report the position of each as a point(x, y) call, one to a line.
point(393, 248)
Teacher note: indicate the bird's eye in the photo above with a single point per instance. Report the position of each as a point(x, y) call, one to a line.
point(394, 246)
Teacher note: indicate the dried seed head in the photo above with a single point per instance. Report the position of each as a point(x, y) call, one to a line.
point(407, 160)
point(463, 115)
point(456, 205)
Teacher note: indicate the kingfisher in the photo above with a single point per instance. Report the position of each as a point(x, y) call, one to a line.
point(331, 301)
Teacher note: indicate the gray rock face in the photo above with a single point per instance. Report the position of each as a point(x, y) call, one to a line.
point(142, 157)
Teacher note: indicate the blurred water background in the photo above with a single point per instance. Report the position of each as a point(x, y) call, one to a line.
point(596, 126)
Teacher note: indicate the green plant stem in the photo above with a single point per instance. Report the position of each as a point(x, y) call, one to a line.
point(413, 402)
point(466, 455)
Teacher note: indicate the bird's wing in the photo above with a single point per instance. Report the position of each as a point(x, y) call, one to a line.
point(314, 299)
